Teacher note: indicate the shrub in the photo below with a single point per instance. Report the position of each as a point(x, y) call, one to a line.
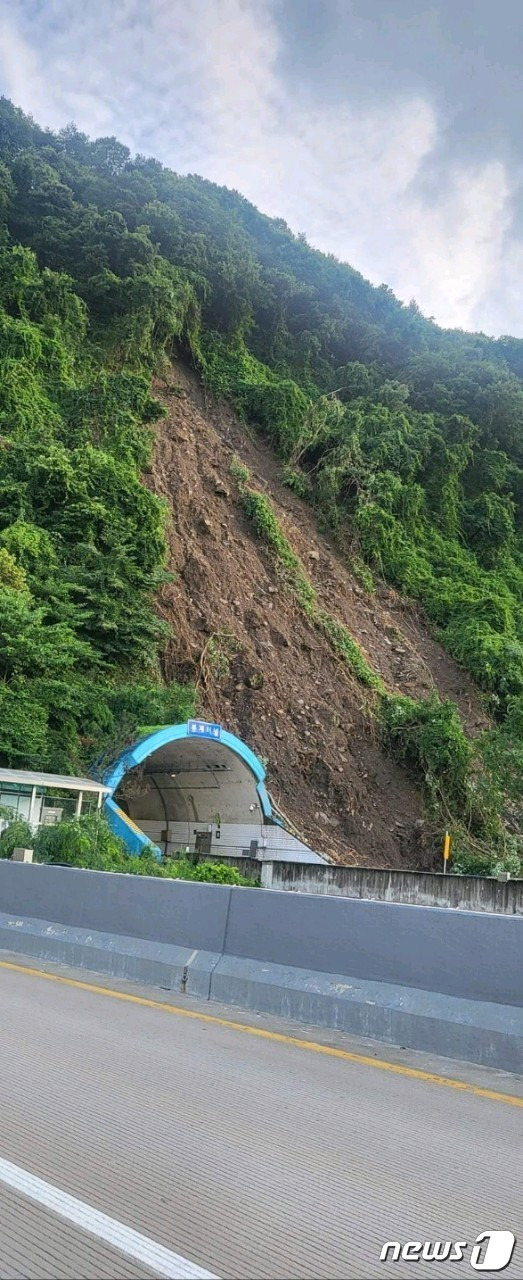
point(266, 525)
point(428, 736)
point(280, 409)
point(471, 862)
point(238, 470)
point(363, 575)
point(467, 861)
point(82, 842)
point(349, 650)
point(296, 480)
point(208, 872)
point(18, 835)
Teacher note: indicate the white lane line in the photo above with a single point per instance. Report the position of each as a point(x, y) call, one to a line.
point(129, 1242)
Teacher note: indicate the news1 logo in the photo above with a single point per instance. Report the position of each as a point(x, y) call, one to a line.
point(492, 1251)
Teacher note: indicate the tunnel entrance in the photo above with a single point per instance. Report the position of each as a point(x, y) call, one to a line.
point(191, 787)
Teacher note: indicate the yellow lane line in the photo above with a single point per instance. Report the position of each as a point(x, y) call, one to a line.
point(361, 1059)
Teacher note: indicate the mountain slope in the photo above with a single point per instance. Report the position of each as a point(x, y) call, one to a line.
point(405, 440)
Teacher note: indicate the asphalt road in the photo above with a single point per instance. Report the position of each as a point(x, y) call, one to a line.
point(243, 1156)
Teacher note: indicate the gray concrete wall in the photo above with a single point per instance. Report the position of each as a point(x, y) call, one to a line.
point(449, 982)
point(419, 888)
point(479, 957)
point(170, 911)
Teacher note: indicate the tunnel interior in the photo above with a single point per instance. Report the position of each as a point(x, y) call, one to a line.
point(185, 789)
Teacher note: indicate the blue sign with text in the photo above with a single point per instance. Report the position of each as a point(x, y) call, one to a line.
point(199, 729)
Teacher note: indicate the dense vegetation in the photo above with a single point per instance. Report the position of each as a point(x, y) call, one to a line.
point(88, 842)
point(406, 438)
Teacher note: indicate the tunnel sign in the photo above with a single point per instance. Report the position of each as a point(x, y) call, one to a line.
point(199, 729)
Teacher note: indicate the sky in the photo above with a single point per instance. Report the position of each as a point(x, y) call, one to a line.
point(388, 131)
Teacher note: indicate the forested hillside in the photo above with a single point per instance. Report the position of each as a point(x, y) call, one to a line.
point(407, 441)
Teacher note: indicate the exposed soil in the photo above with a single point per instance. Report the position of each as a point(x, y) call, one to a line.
point(262, 669)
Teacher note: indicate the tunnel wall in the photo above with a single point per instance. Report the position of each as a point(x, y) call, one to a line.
point(446, 982)
point(235, 838)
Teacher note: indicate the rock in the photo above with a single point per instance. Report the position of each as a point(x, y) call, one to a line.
point(221, 491)
point(327, 821)
point(314, 555)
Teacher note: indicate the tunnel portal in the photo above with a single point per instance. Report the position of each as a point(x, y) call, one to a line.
point(190, 786)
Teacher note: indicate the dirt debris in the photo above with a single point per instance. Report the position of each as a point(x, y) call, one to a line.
point(262, 669)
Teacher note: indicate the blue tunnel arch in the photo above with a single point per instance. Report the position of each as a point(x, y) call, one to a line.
point(145, 747)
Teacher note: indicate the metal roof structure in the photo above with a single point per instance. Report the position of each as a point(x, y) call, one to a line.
point(58, 781)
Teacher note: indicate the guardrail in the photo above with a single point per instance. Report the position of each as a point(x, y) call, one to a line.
point(418, 888)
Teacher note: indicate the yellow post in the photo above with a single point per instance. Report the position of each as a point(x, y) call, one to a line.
point(446, 851)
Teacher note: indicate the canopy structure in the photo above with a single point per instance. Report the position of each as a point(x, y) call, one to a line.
point(44, 798)
point(194, 786)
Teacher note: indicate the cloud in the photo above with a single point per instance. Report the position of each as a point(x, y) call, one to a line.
point(367, 175)
point(455, 248)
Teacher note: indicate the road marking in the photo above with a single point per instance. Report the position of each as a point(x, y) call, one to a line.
point(160, 1260)
point(380, 1064)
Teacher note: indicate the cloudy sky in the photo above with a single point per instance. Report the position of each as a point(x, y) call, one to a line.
point(389, 131)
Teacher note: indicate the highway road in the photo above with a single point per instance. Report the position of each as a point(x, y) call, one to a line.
point(137, 1140)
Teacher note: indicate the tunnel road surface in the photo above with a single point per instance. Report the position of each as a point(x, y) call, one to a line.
point(136, 1140)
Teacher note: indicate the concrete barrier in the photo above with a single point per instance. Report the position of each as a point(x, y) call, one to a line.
point(419, 888)
point(447, 982)
point(166, 932)
point(457, 953)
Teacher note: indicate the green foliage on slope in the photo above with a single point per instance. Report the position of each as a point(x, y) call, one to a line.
point(81, 539)
point(407, 439)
